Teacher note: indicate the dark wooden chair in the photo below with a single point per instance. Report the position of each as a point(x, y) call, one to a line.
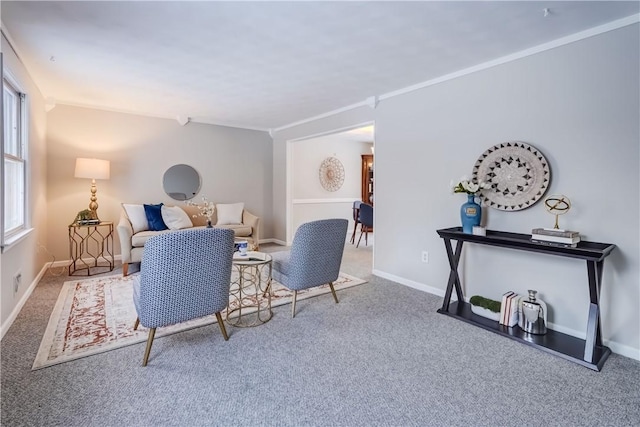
point(356, 214)
point(365, 218)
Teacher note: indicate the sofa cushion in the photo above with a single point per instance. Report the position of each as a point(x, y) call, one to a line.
point(196, 218)
point(154, 217)
point(175, 217)
point(229, 213)
point(136, 216)
point(139, 239)
point(240, 230)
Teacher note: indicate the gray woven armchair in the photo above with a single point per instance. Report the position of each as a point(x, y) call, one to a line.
point(314, 258)
point(184, 275)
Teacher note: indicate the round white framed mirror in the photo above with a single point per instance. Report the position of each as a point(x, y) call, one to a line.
point(181, 182)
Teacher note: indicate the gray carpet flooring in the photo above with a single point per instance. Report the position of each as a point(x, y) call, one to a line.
point(381, 357)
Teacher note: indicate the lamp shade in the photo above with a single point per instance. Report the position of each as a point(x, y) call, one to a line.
point(92, 168)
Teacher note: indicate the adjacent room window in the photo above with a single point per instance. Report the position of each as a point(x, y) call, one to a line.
point(14, 160)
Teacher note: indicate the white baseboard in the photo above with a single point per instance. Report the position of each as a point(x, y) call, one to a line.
point(410, 283)
point(276, 241)
point(621, 349)
point(66, 262)
point(16, 310)
point(616, 347)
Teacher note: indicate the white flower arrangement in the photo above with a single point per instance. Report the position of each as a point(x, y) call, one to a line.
point(206, 209)
point(464, 185)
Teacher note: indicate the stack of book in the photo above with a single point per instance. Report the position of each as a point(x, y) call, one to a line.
point(509, 309)
point(88, 221)
point(555, 237)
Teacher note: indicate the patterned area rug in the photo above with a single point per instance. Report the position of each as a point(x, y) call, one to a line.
point(92, 316)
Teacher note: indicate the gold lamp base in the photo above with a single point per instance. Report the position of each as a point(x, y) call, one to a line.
point(93, 169)
point(93, 204)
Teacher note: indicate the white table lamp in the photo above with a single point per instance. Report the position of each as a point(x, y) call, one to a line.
point(93, 169)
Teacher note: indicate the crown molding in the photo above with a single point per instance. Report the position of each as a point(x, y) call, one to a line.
point(201, 120)
point(613, 25)
point(373, 101)
point(323, 115)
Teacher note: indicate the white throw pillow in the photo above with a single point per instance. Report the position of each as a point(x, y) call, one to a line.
point(175, 217)
point(137, 217)
point(230, 213)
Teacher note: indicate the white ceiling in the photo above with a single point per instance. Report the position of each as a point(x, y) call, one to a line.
point(264, 65)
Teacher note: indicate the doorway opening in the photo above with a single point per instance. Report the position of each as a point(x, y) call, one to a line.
point(351, 151)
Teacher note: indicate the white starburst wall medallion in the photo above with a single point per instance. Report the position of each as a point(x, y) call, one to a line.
point(331, 174)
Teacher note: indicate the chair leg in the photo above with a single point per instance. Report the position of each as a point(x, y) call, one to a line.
point(293, 304)
point(366, 236)
point(333, 291)
point(125, 269)
point(222, 328)
point(362, 228)
point(152, 333)
point(353, 235)
point(135, 327)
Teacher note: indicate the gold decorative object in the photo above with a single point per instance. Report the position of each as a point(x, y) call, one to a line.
point(84, 218)
point(93, 169)
point(557, 204)
point(331, 174)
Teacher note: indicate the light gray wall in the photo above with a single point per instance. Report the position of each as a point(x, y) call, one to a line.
point(310, 200)
point(24, 257)
point(235, 165)
point(579, 105)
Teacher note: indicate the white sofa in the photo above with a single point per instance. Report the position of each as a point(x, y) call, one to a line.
point(132, 242)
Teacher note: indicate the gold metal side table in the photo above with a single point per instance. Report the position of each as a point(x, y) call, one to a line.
point(250, 292)
point(91, 248)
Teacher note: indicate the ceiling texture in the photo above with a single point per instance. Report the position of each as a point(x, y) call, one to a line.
point(265, 65)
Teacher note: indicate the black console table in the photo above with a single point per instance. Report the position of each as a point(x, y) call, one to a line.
point(588, 352)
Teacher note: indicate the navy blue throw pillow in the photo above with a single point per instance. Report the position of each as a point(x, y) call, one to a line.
point(154, 217)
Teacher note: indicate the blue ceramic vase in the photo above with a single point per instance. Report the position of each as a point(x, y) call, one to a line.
point(470, 214)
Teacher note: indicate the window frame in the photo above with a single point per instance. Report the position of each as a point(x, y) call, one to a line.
point(7, 238)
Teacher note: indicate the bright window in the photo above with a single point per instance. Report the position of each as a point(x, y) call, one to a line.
point(14, 160)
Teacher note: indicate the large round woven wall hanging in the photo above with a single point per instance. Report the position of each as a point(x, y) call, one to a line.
point(517, 175)
point(331, 174)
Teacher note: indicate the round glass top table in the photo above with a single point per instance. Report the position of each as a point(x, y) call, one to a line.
point(250, 292)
